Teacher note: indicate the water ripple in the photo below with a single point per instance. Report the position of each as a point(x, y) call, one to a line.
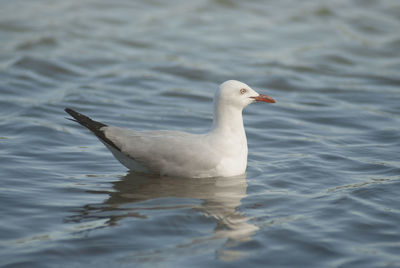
point(322, 183)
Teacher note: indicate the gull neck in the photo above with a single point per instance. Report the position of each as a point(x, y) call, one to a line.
point(228, 119)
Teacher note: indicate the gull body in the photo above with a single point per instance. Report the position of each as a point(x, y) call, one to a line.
point(221, 152)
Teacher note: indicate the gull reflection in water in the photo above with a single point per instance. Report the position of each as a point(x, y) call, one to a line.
point(219, 199)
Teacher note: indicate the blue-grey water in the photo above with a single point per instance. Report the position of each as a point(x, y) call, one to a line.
point(322, 187)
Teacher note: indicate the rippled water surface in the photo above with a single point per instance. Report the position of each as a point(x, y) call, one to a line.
point(323, 179)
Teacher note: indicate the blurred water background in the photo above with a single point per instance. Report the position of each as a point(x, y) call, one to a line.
point(323, 180)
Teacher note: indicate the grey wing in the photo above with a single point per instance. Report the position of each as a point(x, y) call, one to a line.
point(165, 150)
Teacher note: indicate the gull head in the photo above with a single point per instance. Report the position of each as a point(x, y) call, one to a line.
point(237, 94)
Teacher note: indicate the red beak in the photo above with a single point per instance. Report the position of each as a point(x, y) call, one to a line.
point(264, 98)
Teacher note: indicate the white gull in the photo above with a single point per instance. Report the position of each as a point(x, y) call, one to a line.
point(221, 152)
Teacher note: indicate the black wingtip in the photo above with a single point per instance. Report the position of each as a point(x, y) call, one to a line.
point(73, 120)
point(90, 124)
point(69, 110)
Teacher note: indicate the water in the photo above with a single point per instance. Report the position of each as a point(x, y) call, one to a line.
point(323, 179)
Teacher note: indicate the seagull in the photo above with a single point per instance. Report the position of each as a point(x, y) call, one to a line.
point(220, 152)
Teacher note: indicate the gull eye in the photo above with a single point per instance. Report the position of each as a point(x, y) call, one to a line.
point(242, 91)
